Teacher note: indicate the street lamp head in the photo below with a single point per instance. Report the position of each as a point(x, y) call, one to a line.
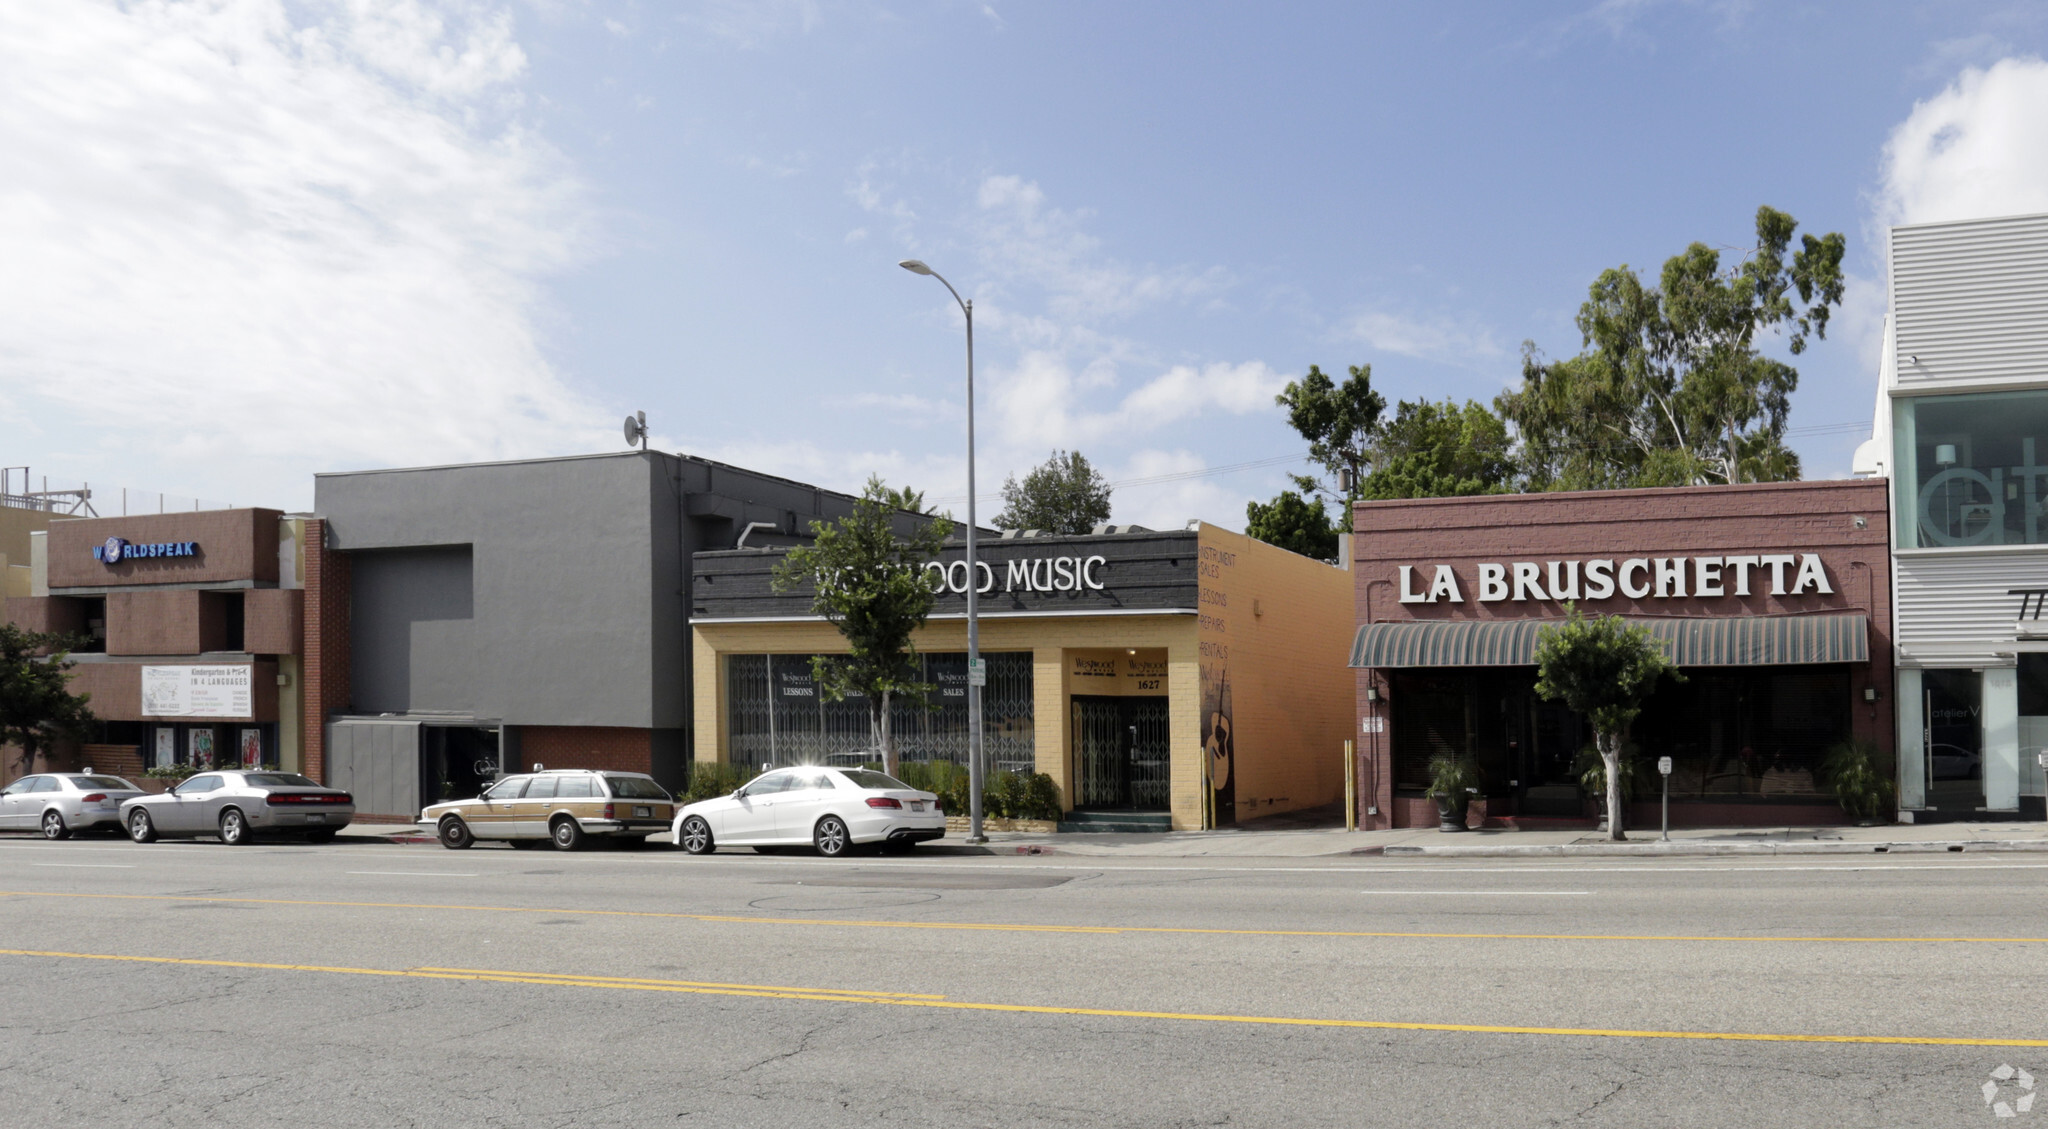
point(914, 267)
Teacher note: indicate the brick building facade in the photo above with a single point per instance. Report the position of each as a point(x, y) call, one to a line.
point(1779, 594)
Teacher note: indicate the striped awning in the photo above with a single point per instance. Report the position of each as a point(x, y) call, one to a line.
point(1737, 641)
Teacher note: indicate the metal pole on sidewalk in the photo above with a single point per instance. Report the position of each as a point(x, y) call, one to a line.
point(1664, 770)
point(1350, 786)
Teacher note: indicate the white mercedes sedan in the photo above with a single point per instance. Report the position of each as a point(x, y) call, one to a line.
point(830, 809)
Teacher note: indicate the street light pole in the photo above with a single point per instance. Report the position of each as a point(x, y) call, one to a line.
point(974, 668)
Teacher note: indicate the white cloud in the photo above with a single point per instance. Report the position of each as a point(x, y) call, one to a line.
point(1976, 150)
point(1432, 339)
point(1023, 239)
point(250, 248)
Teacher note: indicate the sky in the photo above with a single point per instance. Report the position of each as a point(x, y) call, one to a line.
point(251, 240)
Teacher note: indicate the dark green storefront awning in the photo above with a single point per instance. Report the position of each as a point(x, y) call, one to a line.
point(1740, 641)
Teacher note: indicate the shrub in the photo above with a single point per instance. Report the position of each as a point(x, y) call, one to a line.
point(1865, 791)
point(1041, 797)
point(709, 781)
point(169, 771)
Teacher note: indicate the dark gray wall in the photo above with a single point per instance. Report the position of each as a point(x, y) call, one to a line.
point(564, 622)
point(411, 630)
point(579, 581)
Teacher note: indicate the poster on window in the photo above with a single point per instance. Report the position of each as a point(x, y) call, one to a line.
point(202, 748)
point(252, 748)
point(197, 691)
point(166, 748)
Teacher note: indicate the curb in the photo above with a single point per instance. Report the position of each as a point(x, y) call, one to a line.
point(1696, 849)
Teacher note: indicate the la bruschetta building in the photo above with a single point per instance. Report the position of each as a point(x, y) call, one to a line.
point(1774, 600)
point(1180, 679)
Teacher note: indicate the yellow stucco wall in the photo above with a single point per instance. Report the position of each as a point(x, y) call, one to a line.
point(1276, 629)
point(1048, 638)
point(1274, 626)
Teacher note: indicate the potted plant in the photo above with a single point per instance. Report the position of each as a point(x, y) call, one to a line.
point(1452, 784)
point(1866, 793)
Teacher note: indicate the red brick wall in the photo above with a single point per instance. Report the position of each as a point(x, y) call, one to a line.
point(167, 622)
point(62, 614)
point(1790, 517)
point(116, 689)
point(233, 545)
point(586, 746)
point(272, 621)
point(326, 646)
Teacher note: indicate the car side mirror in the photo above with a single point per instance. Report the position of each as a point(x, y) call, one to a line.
point(739, 793)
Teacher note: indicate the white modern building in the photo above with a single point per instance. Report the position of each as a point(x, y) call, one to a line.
point(1961, 430)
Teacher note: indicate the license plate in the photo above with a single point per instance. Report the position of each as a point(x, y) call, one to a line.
point(917, 805)
point(643, 813)
point(317, 817)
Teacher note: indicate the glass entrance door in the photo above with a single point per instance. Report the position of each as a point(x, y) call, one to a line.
point(1953, 738)
point(1122, 754)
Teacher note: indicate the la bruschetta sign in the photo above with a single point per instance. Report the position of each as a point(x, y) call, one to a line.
point(1637, 578)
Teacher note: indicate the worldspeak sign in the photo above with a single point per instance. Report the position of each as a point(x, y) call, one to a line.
point(198, 691)
point(1637, 578)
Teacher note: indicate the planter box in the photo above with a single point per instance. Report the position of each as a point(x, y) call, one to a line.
point(957, 824)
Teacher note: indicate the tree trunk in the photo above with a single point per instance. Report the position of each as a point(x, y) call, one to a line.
point(888, 739)
point(1610, 759)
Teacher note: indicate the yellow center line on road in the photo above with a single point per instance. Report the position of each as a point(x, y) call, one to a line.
point(834, 995)
point(1002, 927)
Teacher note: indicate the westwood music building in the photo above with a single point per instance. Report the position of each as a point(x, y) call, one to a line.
point(1774, 599)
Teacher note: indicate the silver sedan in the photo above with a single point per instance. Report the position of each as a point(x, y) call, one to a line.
point(237, 806)
point(59, 803)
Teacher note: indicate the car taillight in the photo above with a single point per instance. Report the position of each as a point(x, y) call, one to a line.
point(607, 811)
point(302, 798)
point(882, 802)
point(96, 797)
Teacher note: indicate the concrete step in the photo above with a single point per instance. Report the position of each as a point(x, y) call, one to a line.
point(1139, 822)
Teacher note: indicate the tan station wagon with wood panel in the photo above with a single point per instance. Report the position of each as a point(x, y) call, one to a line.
point(565, 806)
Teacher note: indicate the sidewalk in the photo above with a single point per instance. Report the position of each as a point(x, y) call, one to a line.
point(1427, 842)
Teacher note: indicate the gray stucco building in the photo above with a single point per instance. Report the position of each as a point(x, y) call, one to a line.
point(469, 619)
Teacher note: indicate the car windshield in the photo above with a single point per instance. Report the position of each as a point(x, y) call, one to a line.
point(89, 782)
point(278, 780)
point(635, 788)
point(869, 778)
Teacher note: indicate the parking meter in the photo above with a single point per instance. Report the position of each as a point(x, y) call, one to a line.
point(1664, 770)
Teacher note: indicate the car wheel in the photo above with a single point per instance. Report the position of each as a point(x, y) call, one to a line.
point(454, 834)
point(53, 826)
point(567, 834)
point(831, 837)
point(234, 828)
point(320, 836)
point(140, 828)
point(696, 836)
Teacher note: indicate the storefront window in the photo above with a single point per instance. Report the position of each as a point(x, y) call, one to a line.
point(776, 715)
point(1730, 733)
point(1972, 470)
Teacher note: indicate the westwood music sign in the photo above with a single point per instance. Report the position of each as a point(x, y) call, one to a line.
point(1637, 578)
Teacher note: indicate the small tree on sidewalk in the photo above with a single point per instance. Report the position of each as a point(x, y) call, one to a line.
point(37, 707)
point(1602, 668)
point(872, 585)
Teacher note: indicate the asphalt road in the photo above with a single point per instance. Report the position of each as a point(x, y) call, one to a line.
point(368, 985)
